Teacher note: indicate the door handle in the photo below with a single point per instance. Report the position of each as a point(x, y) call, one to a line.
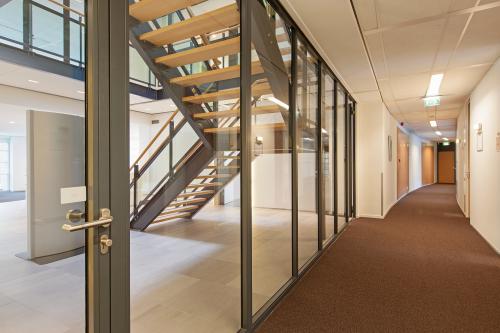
point(76, 215)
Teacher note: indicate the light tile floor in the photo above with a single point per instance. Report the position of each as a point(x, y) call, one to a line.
point(185, 275)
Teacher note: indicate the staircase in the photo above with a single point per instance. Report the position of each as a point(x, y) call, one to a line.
point(192, 48)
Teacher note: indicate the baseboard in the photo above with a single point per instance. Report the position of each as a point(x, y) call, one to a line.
point(487, 241)
point(370, 216)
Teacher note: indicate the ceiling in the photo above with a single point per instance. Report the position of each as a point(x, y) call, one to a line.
point(407, 42)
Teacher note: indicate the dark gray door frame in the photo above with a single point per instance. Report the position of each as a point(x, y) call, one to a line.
point(107, 112)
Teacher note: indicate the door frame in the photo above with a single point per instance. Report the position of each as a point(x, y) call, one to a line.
point(107, 159)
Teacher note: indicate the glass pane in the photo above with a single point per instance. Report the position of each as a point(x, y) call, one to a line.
point(48, 32)
point(185, 265)
point(328, 141)
point(341, 159)
point(307, 143)
point(272, 160)
point(42, 267)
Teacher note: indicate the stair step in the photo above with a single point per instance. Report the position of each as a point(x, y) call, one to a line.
point(236, 129)
point(206, 52)
point(236, 112)
point(171, 217)
point(203, 185)
point(186, 202)
point(223, 167)
point(179, 209)
point(208, 22)
point(215, 175)
point(221, 95)
point(195, 193)
point(147, 10)
point(215, 75)
point(229, 157)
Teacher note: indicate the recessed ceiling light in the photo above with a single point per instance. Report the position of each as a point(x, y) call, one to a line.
point(445, 139)
point(80, 91)
point(433, 123)
point(33, 81)
point(12, 122)
point(434, 85)
point(439, 133)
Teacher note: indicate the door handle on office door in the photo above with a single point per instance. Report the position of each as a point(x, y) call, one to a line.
point(76, 215)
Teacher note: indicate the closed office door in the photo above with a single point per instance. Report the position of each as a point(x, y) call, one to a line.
point(427, 164)
point(446, 167)
point(403, 165)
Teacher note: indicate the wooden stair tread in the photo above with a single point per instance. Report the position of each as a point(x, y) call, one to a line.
point(171, 217)
point(221, 95)
point(229, 157)
point(236, 112)
point(195, 193)
point(214, 184)
point(205, 23)
point(187, 201)
point(215, 75)
point(223, 166)
point(147, 10)
point(236, 129)
point(210, 51)
point(179, 209)
point(215, 175)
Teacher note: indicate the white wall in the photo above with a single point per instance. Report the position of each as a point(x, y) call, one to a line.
point(18, 163)
point(376, 175)
point(485, 165)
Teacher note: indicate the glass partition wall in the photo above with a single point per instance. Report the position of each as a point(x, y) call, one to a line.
point(248, 183)
point(297, 157)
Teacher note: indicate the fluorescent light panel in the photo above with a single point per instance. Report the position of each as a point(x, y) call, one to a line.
point(278, 102)
point(445, 139)
point(439, 133)
point(434, 85)
point(433, 123)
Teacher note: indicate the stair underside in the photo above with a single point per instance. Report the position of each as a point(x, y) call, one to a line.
point(221, 18)
point(147, 10)
point(197, 54)
point(215, 75)
point(221, 95)
point(236, 112)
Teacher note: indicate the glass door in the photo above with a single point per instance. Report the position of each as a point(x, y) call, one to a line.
point(63, 218)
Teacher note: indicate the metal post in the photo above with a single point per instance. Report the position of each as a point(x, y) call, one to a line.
point(354, 204)
point(171, 129)
point(346, 157)
point(246, 160)
point(320, 181)
point(295, 186)
point(27, 25)
point(66, 33)
point(136, 177)
point(335, 162)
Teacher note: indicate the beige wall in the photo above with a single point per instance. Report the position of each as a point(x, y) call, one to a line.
point(485, 164)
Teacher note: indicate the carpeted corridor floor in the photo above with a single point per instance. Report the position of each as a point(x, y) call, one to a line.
point(421, 269)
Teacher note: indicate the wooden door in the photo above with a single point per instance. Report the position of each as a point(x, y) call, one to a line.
point(427, 165)
point(403, 164)
point(446, 167)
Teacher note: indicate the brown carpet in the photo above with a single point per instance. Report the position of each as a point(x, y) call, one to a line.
point(421, 269)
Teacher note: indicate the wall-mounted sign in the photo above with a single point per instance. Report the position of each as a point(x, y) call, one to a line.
point(432, 101)
point(498, 142)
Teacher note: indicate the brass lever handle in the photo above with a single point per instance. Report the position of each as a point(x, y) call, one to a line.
point(75, 216)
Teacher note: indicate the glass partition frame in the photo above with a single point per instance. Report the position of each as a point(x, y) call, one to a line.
point(249, 319)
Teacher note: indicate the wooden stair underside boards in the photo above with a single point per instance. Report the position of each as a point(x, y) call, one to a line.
point(208, 22)
point(202, 185)
point(186, 202)
point(221, 95)
point(236, 129)
point(236, 112)
point(202, 53)
point(171, 217)
point(215, 175)
point(178, 210)
point(195, 193)
point(147, 10)
point(221, 74)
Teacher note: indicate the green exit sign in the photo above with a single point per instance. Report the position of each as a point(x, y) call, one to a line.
point(432, 101)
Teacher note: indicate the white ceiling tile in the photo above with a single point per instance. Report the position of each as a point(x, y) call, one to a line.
point(396, 11)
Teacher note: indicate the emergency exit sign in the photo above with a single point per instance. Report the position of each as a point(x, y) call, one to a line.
point(432, 101)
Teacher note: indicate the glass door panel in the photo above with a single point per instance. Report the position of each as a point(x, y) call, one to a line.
point(341, 158)
point(42, 266)
point(328, 159)
point(307, 146)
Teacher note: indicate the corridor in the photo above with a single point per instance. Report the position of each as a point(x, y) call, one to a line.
point(421, 269)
